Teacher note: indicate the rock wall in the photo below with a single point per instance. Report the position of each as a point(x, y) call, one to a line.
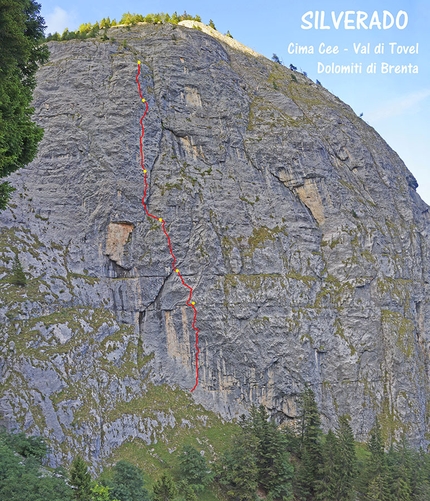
point(298, 227)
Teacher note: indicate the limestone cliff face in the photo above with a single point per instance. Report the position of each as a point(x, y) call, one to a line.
point(298, 227)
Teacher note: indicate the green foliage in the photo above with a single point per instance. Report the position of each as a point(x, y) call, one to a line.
point(100, 493)
point(28, 447)
point(258, 458)
point(186, 491)
point(88, 30)
point(329, 471)
point(127, 483)
point(18, 276)
point(194, 469)
point(238, 469)
point(21, 29)
point(275, 471)
point(310, 448)
point(338, 466)
point(212, 24)
point(347, 459)
point(80, 480)
point(164, 489)
point(23, 477)
point(377, 473)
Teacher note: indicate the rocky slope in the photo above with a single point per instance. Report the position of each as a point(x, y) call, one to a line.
point(298, 227)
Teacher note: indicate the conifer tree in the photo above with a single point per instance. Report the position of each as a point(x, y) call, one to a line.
point(21, 35)
point(339, 462)
point(275, 471)
point(80, 480)
point(310, 452)
point(193, 468)
point(378, 488)
point(238, 470)
point(327, 487)
point(127, 483)
point(18, 276)
point(164, 489)
point(420, 481)
point(346, 459)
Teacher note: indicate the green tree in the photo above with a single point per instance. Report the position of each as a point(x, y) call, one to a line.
point(127, 483)
point(100, 493)
point(80, 479)
point(377, 475)
point(22, 477)
point(18, 276)
point(346, 460)
point(212, 24)
point(310, 448)
point(28, 447)
point(275, 471)
point(21, 35)
point(405, 471)
point(327, 487)
point(187, 491)
point(194, 468)
point(237, 469)
point(164, 489)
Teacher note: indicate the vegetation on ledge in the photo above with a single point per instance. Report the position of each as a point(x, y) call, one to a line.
point(260, 461)
point(88, 30)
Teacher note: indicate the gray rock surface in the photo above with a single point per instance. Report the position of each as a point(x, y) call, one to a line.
point(298, 227)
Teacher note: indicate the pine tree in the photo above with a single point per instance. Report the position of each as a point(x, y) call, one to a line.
point(377, 478)
point(327, 487)
point(212, 24)
point(21, 34)
point(187, 491)
point(18, 276)
point(404, 471)
point(164, 489)
point(237, 469)
point(127, 483)
point(193, 468)
point(275, 471)
point(80, 480)
point(346, 461)
point(339, 464)
point(420, 481)
point(310, 452)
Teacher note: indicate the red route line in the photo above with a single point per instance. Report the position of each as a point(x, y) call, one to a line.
point(189, 302)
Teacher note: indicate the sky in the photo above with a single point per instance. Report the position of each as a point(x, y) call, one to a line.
point(385, 44)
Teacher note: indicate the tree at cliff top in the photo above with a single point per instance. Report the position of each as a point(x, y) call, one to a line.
point(21, 34)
